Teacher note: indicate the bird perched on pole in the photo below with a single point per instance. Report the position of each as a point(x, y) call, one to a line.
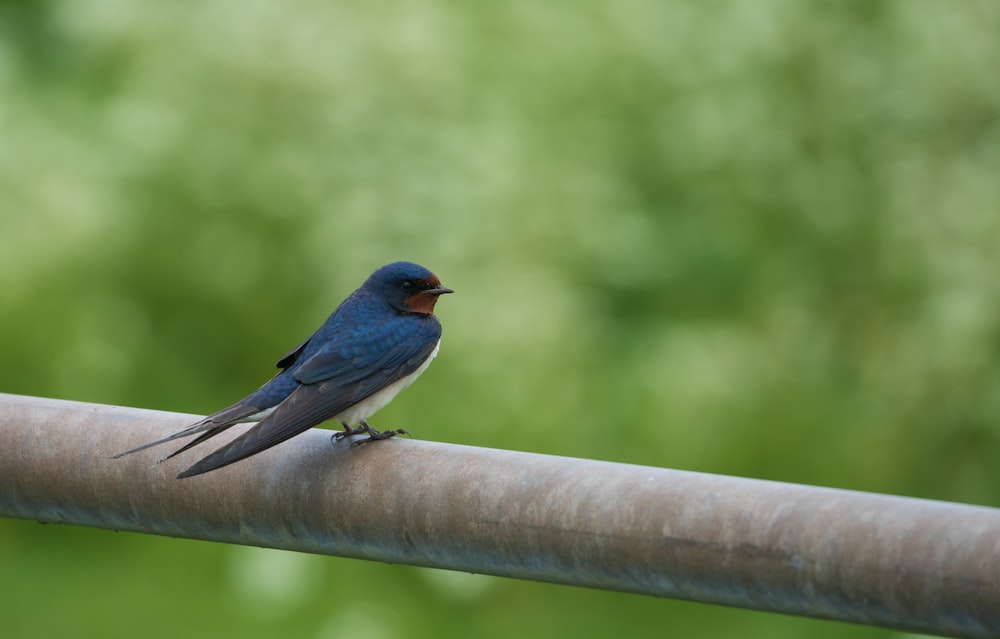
point(375, 344)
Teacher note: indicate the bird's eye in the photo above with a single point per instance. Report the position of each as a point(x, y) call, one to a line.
point(406, 285)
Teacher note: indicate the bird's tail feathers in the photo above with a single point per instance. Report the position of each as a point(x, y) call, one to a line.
point(196, 441)
point(184, 433)
point(247, 409)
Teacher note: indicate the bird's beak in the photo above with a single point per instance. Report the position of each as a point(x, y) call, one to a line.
point(438, 290)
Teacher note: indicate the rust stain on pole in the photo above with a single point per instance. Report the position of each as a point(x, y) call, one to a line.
point(910, 564)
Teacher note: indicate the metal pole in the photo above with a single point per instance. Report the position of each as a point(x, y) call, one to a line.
point(910, 564)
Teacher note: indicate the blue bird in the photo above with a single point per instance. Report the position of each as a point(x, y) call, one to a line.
point(375, 344)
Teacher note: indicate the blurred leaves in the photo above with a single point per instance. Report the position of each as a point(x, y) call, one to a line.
point(745, 238)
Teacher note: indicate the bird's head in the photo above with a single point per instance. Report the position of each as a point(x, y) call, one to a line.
point(407, 287)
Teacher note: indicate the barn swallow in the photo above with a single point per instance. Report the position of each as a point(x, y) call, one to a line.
point(375, 344)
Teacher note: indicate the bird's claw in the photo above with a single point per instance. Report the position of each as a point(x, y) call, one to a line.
point(373, 435)
point(348, 431)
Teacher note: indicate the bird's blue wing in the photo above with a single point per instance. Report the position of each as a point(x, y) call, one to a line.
point(393, 349)
point(350, 368)
point(289, 359)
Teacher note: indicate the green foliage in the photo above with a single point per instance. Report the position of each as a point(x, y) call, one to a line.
point(756, 239)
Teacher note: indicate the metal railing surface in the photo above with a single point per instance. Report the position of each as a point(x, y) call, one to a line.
point(911, 564)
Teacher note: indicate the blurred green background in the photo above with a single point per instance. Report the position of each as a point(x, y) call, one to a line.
point(748, 238)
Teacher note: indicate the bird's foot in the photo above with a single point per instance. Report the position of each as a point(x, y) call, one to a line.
point(385, 434)
point(374, 435)
point(348, 431)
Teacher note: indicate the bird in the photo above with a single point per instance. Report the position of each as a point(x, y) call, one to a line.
point(374, 345)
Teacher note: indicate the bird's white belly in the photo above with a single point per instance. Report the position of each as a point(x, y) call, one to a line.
point(368, 406)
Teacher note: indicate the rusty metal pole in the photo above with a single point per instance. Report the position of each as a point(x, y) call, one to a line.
point(910, 564)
